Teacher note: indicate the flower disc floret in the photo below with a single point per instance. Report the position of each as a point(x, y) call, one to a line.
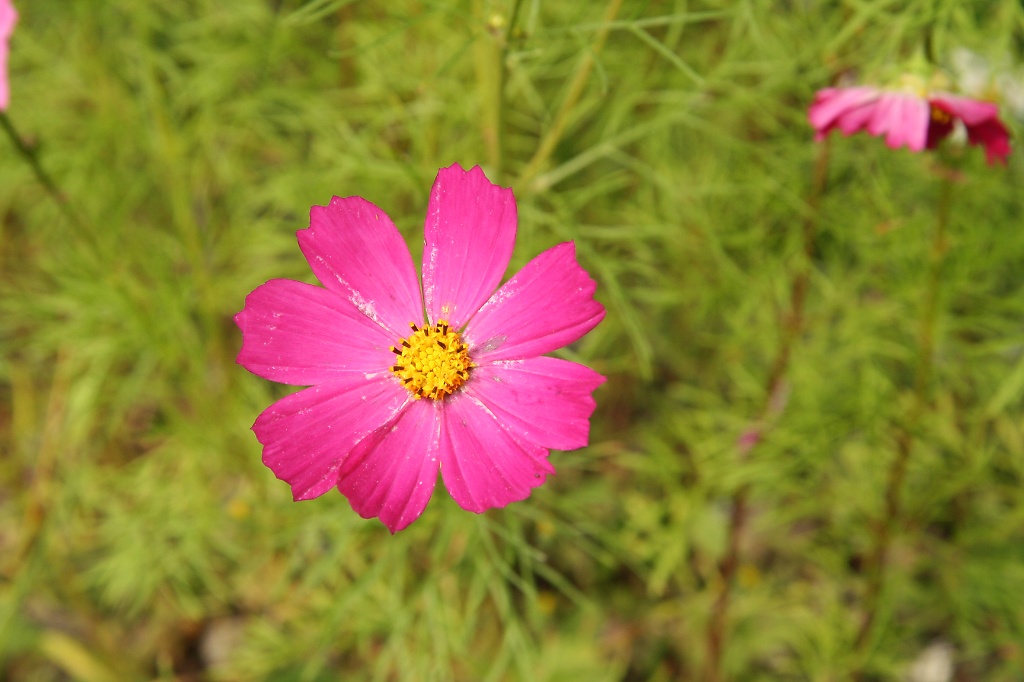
point(939, 116)
point(433, 362)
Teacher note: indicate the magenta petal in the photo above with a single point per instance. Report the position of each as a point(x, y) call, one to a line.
point(469, 235)
point(356, 251)
point(901, 119)
point(546, 401)
point(883, 117)
point(482, 465)
point(8, 19)
point(856, 119)
point(970, 111)
point(994, 136)
point(831, 103)
point(301, 334)
point(392, 472)
point(306, 436)
point(908, 124)
point(982, 122)
point(548, 304)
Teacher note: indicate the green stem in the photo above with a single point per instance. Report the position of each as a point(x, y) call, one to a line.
point(512, 21)
point(491, 50)
point(579, 81)
point(792, 327)
point(31, 157)
point(877, 560)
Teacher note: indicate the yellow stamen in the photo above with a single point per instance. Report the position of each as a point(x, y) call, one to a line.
point(432, 362)
point(940, 116)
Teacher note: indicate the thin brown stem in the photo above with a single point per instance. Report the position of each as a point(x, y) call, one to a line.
point(792, 326)
point(31, 157)
point(877, 559)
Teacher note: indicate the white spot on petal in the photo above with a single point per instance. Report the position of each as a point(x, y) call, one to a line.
point(493, 343)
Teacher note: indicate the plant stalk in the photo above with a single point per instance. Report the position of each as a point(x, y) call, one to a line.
point(877, 559)
point(491, 52)
point(579, 81)
point(792, 326)
point(31, 157)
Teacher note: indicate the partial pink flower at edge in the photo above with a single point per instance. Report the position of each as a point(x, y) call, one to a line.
point(467, 391)
point(907, 119)
point(8, 19)
point(981, 119)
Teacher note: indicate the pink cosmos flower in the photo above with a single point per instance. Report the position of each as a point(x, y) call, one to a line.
point(8, 18)
point(904, 118)
point(406, 382)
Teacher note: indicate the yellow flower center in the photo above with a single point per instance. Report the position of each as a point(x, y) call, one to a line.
point(432, 362)
point(940, 116)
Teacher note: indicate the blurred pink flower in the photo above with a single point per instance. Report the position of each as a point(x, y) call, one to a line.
point(905, 118)
point(8, 18)
point(396, 396)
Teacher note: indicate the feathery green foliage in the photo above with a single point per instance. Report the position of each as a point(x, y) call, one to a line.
point(140, 535)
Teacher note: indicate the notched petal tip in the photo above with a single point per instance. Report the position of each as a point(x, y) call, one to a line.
point(391, 474)
point(469, 234)
point(545, 306)
point(482, 464)
point(356, 251)
point(308, 435)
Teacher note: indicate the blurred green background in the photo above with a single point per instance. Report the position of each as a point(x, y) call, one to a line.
point(142, 539)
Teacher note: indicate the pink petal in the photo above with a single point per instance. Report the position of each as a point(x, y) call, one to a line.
point(982, 122)
point(543, 400)
point(392, 472)
point(908, 123)
point(854, 120)
point(356, 251)
point(306, 436)
point(970, 111)
point(885, 110)
point(547, 305)
point(483, 466)
point(879, 122)
point(8, 19)
point(301, 334)
point(469, 234)
point(831, 103)
point(996, 138)
point(902, 119)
